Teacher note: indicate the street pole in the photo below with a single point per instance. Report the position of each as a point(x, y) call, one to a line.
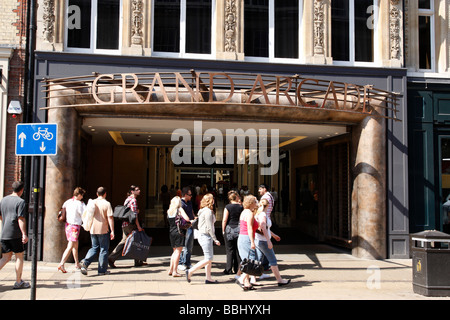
point(36, 191)
point(29, 95)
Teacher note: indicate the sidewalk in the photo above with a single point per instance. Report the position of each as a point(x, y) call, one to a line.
point(316, 271)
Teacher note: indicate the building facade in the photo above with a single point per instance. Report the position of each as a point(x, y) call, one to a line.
point(333, 77)
point(13, 38)
point(427, 62)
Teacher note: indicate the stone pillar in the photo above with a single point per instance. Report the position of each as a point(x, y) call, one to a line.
point(369, 189)
point(61, 179)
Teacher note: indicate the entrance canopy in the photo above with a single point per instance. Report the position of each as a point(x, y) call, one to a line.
point(221, 96)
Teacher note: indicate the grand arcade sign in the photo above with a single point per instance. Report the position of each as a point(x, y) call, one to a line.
point(222, 89)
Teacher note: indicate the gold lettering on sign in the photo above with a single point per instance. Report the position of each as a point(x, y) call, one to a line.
point(95, 88)
point(220, 87)
point(211, 86)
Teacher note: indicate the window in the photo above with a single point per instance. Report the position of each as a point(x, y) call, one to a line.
point(93, 25)
point(352, 27)
point(426, 29)
point(183, 27)
point(271, 28)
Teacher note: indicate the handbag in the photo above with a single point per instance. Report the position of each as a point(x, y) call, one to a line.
point(181, 223)
point(62, 215)
point(194, 224)
point(232, 233)
point(251, 267)
point(124, 213)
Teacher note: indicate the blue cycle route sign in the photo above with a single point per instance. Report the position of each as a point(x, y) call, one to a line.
point(36, 139)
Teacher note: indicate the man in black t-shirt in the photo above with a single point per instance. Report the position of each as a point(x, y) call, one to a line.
point(14, 231)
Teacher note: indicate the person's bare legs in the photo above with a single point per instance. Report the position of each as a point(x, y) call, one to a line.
point(6, 257)
point(276, 273)
point(203, 263)
point(19, 266)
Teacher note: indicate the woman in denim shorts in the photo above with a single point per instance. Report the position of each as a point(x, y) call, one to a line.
point(206, 220)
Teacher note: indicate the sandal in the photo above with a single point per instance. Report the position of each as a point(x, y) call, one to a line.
point(250, 287)
point(61, 268)
point(176, 275)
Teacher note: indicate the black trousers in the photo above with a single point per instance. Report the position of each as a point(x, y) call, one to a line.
point(233, 259)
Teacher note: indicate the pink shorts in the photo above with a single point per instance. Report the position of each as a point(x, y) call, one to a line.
point(72, 232)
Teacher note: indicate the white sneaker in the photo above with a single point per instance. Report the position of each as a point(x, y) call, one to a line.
point(181, 267)
point(264, 276)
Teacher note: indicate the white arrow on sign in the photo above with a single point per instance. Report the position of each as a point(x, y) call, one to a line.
point(42, 147)
point(22, 137)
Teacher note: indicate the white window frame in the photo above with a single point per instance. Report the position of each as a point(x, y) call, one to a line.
point(430, 13)
point(351, 61)
point(272, 58)
point(183, 53)
point(93, 35)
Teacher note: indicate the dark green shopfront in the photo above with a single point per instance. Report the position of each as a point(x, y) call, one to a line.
point(429, 154)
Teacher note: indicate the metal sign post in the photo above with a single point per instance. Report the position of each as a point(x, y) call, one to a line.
point(37, 140)
point(34, 252)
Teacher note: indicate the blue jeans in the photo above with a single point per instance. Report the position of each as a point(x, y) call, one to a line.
point(100, 245)
point(185, 258)
point(264, 251)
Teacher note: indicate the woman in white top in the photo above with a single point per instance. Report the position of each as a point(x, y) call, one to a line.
point(264, 244)
point(206, 220)
point(74, 209)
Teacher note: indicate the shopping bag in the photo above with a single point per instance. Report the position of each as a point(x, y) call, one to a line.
point(88, 215)
point(137, 245)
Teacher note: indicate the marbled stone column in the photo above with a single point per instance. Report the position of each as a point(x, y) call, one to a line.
point(369, 189)
point(61, 177)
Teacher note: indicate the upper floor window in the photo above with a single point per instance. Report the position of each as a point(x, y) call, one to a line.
point(93, 25)
point(183, 26)
point(352, 27)
point(426, 29)
point(271, 28)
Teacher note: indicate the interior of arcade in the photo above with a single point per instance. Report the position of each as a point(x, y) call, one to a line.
point(119, 152)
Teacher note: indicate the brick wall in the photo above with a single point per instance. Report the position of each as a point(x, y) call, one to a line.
point(13, 23)
point(13, 16)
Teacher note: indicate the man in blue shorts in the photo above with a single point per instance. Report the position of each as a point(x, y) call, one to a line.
point(14, 231)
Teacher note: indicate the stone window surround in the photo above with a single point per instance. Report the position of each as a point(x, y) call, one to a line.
point(315, 31)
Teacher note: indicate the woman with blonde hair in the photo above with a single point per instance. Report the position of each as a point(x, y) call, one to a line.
point(177, 237)
point(246, 240)
point(263, 242)
point(206, 220)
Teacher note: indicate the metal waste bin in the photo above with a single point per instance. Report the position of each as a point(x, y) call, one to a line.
point(431, 263)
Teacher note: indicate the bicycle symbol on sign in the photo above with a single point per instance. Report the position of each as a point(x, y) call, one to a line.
point(42, 133)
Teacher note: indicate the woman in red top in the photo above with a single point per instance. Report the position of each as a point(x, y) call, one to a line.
point(246, 240)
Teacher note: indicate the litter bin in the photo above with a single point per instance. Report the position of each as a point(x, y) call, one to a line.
point(431, 263)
